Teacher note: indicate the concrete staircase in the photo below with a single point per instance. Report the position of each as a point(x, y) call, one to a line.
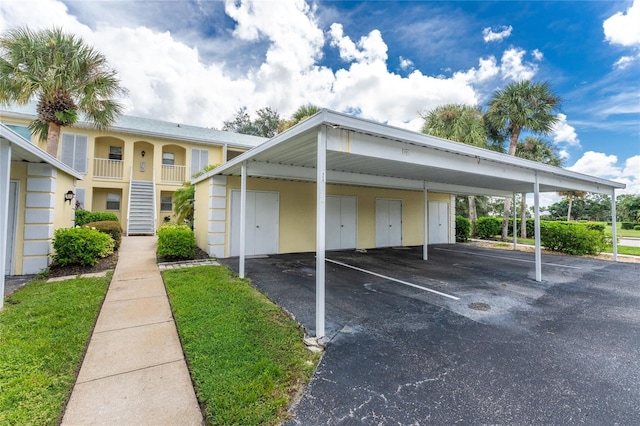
point(141, 208)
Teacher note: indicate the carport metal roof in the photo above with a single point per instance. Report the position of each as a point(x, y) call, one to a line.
point(335, 148)
point(362, 152)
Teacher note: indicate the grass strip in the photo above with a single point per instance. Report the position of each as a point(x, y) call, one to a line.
point(44, 331)
point(245, 355)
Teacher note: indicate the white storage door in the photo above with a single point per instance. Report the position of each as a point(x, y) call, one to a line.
point(438, 222)
point(341, 230)
point(262, 223)
point(388, 223)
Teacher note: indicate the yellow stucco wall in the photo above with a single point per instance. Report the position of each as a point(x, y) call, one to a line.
point(64, 211)
point(298, 212)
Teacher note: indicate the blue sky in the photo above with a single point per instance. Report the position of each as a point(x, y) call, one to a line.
point(197, 62)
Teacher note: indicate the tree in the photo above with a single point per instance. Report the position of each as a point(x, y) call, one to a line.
point(571, 195)
point(628, 207)
point(521, 106)
point(534, 149)
point(266, 125)
point(65, 75)
point(301, 114)
point(460, 123)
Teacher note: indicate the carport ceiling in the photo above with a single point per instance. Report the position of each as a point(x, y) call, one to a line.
point(361, 152)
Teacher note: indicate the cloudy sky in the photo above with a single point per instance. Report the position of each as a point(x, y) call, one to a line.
point(199, 61)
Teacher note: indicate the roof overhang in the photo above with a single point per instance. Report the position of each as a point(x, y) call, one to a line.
point(365, 153)
point(23, 150)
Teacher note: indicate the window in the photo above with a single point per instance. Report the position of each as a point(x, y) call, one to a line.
point(168, 158)
point(21, 130)
point(113, 201)
point(73, 151)
point(199, 160)
point(166, 204)
point(115, 153)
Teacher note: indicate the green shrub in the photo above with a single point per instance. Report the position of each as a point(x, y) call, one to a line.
point(110, 227)
point(84, 216)
point(81, 246)
point(463, 229)
point(627, 225)
point(176, 242)
point(572, 238)
point(637, 227)
point(531, 227)
point(487, 227)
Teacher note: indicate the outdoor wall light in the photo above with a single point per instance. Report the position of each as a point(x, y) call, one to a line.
point(69, 196)
point(142, 153)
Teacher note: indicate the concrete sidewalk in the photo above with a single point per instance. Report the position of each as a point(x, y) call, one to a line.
point(134, 371)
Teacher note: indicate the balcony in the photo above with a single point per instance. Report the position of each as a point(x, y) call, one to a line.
point(108, 169)
point(173, 174)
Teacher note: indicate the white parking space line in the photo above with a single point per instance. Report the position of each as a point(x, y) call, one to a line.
point(507, 258)
point(393, 279)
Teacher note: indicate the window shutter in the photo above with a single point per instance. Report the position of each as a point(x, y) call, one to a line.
point(66, 150)
point(73, 151)
point(199, 159)
point(80, 161)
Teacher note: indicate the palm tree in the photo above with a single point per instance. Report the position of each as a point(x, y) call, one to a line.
point(65, 75)
point(572, 195)
point(522, 106)
point(301, 114)
point(534, 149)
point(460, 123)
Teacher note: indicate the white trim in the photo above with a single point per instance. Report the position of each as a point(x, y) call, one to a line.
point(5, 176)
point(243, 217)
point(11, 245)
point(321, 210)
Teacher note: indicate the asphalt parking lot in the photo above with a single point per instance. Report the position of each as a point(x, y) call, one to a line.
point(509, 350)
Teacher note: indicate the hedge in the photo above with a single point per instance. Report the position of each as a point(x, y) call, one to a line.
point(573, 238)
point(176, 242)
point(488, 227)
point(109, 227)
point(80, 246)
point(463, 229)
point(84, 216)
point(627, 225)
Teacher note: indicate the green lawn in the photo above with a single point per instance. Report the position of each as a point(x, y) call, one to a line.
point(245, 355)
point(622, 232)
point(44, 331)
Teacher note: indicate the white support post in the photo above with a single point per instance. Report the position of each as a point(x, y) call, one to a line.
point(614, 225)
point(536, 209)
point(425, 196)
point(243, 218)
point(515, 224)
point(321, 212)
point(5, 175)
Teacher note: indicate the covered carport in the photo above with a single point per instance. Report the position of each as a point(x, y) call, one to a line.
point(334, 148)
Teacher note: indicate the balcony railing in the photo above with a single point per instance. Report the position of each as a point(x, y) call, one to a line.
point(173, 173)
point(105, 168)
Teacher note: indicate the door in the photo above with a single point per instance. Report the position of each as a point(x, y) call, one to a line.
point(341, 222)
point(12, 224)
point(438, 222)
point(388, 222)
point(262, 223)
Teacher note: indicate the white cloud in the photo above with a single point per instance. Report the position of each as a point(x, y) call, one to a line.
point(564, 154)
point(405, 63)
point(489, 35)
point(537, 55)
point(563, 132)
point(624, 28)
point(625, 62)
point(608, 167)
point(171, 80)
point(513, 68)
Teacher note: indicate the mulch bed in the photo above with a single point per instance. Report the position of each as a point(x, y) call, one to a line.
point(104, 264)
